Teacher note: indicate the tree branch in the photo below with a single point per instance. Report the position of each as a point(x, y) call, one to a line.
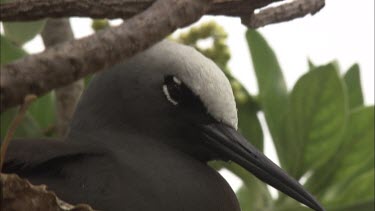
point(19, 194)
point(284, 12)
point(63, 64)
point(58, 31)
point(26, 10)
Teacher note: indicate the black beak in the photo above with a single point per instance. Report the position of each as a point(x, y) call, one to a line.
point(231, 145)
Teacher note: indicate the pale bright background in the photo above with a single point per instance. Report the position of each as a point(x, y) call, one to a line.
point(342, 31)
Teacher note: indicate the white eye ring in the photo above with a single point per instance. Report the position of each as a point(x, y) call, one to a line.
point(176, 80)
point(168, 96)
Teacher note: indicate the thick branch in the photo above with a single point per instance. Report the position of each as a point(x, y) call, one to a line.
point(284, 12)
point(57, 31)
point(26, 10)
point(63, 64)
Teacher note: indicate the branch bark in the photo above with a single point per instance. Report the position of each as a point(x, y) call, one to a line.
point(18, 194)
point(284, 12)
point(63, 64)
point(58, 31)
point(26, 10)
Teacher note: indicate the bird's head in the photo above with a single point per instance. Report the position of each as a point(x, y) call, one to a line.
point(174, 94)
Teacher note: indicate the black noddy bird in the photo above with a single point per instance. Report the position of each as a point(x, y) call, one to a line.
point(141, 138)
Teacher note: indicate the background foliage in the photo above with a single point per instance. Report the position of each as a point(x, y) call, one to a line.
point(321, 129)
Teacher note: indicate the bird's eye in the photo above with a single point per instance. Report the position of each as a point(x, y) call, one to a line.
point(179, 94)
point(172, 89)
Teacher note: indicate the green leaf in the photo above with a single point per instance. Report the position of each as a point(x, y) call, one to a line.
point(290, 204)
point(358, 147)
point(367, 205)
point(316, 119)
point(248, 123)
point(27, 128)
point(357, 189)
point(43, 110)
point(40, 115)
point(9, 52)
point(354, 157)
point(253, 195)
point(353, 84)
point(311, 64)
point(21, 32)
point(255, 198)
point(273, 94)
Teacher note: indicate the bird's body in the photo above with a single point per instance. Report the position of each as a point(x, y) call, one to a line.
point(109, 179)
point(141, 138)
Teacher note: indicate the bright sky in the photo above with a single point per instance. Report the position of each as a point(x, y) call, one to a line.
point(342, 31)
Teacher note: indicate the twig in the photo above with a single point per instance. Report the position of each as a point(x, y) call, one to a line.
point(26, 10)
point(63, 64)
point(284, 12)
point(58, 31)
point(13, 126)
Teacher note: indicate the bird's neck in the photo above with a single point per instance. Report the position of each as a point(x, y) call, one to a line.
point(122, 137)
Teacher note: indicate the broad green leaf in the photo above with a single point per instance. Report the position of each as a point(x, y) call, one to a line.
point(8, 51)
point(254, 198)
point(358, 148)
point(354, 157)
point(358, 189)
point(27, 128)
point(311, 64)
point(248, 122)
point(244, 197)
point(353, 84)
point(367, 205)
point(316, 119)
point(21, 32)
point(289, 204)
point(43, 110)
point(273, 94)
point(253, 195)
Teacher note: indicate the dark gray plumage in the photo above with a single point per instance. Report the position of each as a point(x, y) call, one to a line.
point(141, 137)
